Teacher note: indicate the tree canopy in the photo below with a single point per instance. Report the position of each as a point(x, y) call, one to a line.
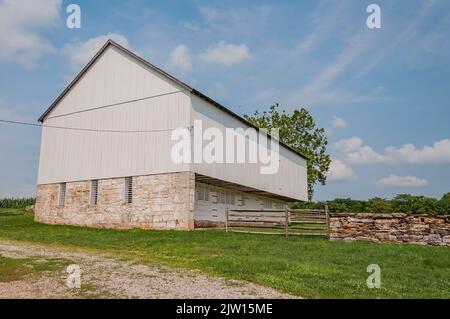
point(298, 130)
point(402, 203)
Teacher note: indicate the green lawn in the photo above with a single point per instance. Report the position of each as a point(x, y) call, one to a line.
point(308, 267)
point(15, 269)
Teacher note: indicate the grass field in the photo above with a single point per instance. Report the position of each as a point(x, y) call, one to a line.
point(307, 267)
point(15, 269)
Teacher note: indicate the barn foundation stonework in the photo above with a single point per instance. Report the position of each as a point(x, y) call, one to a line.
point(160, 201)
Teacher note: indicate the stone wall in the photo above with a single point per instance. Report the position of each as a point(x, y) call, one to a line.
point(395, 227)
point(162, 201)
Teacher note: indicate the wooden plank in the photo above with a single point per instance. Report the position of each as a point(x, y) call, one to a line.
point(309, 216)
point(255, 221)
point(237, 225)
point(245, 215)
point(286, 222)
point(306, 234)
point(255, 232)
point(226, 220)
point(309, 219)
point(307, 210)
point(257, 210)
point(307, 222)
point(273, 233)
point(306, 228)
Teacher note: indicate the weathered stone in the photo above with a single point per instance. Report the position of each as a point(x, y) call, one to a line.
point(164, 201)
point(396, 227)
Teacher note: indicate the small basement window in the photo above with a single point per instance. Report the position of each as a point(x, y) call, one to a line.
point(62, 194)
point(128, 190)
point(94, 192)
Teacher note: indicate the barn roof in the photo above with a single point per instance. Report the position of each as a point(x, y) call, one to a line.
point(160, 71)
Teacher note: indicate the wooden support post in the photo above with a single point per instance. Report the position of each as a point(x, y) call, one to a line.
point(327, 218)
point(226, 220)
point(287, 221)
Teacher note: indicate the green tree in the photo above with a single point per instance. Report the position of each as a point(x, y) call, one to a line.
point(347, 205)
point(378, 205)
point(299, 131)
point(406, 203)
point(444, 204)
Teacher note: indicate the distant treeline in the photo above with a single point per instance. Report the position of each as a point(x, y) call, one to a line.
point(402, 203)
point(16, 202)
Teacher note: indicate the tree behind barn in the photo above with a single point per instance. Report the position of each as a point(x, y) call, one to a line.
point(299, 131)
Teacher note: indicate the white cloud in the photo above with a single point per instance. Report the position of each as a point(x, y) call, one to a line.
point(21, 23)
point(356, 152)
point(226, 53)
point(340, 171)
point(81, 52)
point(338, 122)
point(348, 145)
point(438, 153)
point(365, 155)
point(403, 181)
point(231, 19)
point(180, 59)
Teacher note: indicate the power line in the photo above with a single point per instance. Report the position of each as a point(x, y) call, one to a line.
point(85, 129)
point(118, 103)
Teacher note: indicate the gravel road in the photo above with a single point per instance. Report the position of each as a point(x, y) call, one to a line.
point(105, 276)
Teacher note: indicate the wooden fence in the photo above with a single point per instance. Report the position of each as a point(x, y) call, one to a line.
point(288, 222)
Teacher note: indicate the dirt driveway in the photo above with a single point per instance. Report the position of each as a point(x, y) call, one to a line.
point(104, 276)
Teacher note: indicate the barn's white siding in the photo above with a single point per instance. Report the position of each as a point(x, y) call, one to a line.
point(72, 155)
point(289, 181)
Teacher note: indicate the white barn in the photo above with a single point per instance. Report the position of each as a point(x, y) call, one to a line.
point(105, 158)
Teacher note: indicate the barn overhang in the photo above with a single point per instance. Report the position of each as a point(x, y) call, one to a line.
point(225, 184)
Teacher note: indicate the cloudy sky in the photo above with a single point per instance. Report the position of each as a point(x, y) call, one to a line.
point(382, 94)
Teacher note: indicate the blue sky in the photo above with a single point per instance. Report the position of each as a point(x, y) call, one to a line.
point(383, 94)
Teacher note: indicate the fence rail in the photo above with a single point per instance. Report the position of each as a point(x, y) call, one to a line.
point(288, 222)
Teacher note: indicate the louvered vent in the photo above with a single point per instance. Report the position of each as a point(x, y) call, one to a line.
point(128, 190)
point(62, 194)
point(94, 192)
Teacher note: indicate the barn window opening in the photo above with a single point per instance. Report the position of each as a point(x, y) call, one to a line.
point(222, 197)
point(215, 197)
point(201, 193)
point(94, 192)
point(62, 194)
point(128, 190)
point(267, 204)
point(242, 200)
point(229, 198)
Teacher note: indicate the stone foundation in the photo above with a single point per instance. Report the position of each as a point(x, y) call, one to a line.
point(161, 201)
point(395, 227)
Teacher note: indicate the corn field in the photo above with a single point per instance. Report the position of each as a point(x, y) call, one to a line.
point(16, 202)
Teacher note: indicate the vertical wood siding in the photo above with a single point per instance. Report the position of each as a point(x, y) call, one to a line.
point(290, 180)
point(71, 155)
